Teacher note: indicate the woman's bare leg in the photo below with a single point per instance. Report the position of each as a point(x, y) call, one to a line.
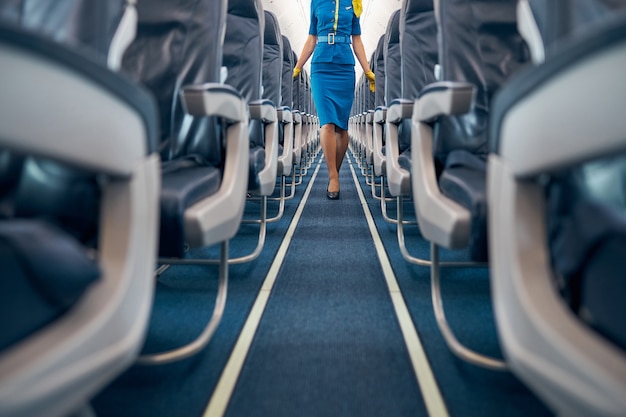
point(329, 147)
point(342, 145)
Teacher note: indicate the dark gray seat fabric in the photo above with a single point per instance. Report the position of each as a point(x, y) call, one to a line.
point(418, 47)
point(44, 272)
point(589, 255)
point(379, 98)
point(287, 74)
point(392, 59)
point(272, 59)
point(88, 25)
point(558, 20)
point(243, 57)
point(177, 45)
point(479, 44)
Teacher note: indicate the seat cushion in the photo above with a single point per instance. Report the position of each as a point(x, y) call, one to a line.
point(257, 163)
point(43, 273)
point(404, 160)
point(464, 180)
point(184, 183)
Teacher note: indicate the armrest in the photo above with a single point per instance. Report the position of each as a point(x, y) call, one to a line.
point(297, 137)
point(380, 116)
point(445, 98)
point(398, 178)
point(441, 220)
point(265, 111)
point(285, 160)
point(212, 99)
point(399, 109)
point(76, 86)
point(284, 114)
point(568, 109)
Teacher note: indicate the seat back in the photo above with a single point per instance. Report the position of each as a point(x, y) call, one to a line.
point(272, 59)
point(478, 43)
point(393, 59)
point(90, 25)
point(179, 44)
point(379, 98)
point(557, 20)
point(418, 47)
point(287, 74)
point(243, 47)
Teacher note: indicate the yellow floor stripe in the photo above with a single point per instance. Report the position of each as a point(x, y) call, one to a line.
point(225, 386)
point(426, 380)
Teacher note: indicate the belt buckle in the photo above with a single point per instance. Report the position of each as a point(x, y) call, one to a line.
point(331, 38)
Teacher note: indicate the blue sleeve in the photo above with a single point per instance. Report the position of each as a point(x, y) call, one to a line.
point(356, 25)
point(313, 26)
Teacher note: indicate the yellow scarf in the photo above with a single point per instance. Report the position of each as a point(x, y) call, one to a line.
point(358, 7)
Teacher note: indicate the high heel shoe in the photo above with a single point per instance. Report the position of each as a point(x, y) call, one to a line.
point(332, 195)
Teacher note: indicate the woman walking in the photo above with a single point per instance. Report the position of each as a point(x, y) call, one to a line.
point(334, 26)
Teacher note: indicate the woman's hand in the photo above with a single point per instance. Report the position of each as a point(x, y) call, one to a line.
point(296, 72)
point(372, 78)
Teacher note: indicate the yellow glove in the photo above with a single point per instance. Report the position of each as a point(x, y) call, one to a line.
point(357, 5)
point(296, 72)
point(370, 76)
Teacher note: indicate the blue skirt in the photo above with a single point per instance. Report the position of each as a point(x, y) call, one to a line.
point(333, 92)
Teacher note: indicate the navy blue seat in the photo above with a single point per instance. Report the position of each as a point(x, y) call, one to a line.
point(75, 309)
point(243, 57)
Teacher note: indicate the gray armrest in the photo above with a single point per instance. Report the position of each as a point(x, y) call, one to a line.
point(441, 220)
point(297, 137)
point(398, 178)
point(218, 217)
point(212, 99)
point(445, 98)
point(380, 117)
point(285, 160)
point(265, 111)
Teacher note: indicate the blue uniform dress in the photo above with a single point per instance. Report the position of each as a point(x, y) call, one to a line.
point(332, 66)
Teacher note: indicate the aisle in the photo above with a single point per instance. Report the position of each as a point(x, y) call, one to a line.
point(329, 342)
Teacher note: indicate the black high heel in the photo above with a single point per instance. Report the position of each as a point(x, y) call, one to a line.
point(334, 195)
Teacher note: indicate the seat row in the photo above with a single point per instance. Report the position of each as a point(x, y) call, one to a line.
point(498, 122)
point(129, 133)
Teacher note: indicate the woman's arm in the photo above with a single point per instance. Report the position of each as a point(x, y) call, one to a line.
point(359, 51)
point(307, 51)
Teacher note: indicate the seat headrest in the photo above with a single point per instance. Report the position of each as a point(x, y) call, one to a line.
point(560, 19)
point(418, 6)
point(393, 28)
point(245, 8)
point(418, 45)
point(287, 52)
point(272, 34)
point(86, 24)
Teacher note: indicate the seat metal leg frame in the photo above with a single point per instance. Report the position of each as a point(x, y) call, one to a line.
point(218, 311)
point(281, 200)
point(454, 345)
point(384, 201)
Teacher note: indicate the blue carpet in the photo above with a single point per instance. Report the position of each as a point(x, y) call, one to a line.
point(467, 390)
point(329, 343)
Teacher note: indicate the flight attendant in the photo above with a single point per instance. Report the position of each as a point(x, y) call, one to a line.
point(334, 26)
